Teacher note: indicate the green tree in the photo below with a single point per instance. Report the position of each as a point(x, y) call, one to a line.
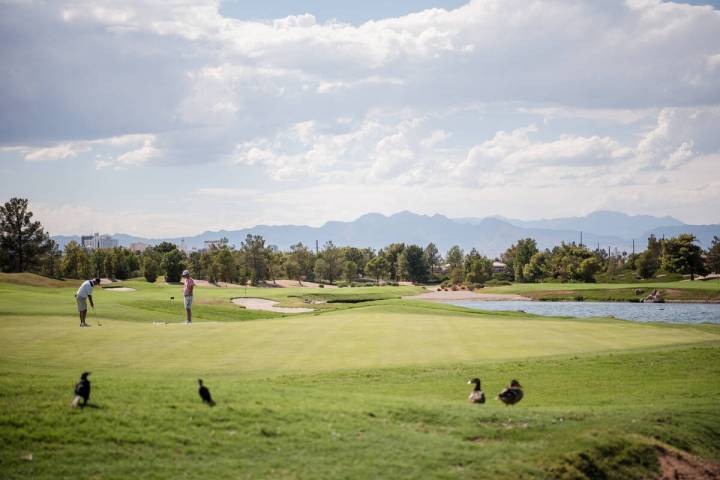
point(433, 260)
point(536, 269)
point(647, 264)
point(524, 251)
point(172, 264)
point(276, 262)
point(228, 267)
point(588, 268)
point(256, 258)
point(350, 270)
point(565, 259)
point(508, 258)
point(356, 255)
point(321, 269)
point(412, 259)
point(292, 270)
point(51, 264)
point(333, 262)
point(98, 261)
point(377, 268)
point(392, 255)
point(681, 255)
point(713, 255)
point(304, 259)
point(151, 267)
point(75, 261)
point(22, 241)
point(165, 247)
point(479, 270)
point(194, 264)
point(455, 258)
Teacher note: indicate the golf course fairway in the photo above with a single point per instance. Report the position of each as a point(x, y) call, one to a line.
point(374, 389)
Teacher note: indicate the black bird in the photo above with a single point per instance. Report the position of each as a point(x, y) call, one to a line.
point(511, 395)
point(205, 393)
point(82, 391)
point(477, 395)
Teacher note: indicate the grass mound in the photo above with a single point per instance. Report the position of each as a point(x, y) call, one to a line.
point(33, 280)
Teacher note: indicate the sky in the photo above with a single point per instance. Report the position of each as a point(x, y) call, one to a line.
point(171, 118)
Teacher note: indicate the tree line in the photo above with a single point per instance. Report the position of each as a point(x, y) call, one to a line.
point(25, 246)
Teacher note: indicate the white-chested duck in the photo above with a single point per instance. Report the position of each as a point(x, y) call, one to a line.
point(511, 395)
point(477, 395)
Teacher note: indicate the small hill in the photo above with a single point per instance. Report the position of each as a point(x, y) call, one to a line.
point(33, 280)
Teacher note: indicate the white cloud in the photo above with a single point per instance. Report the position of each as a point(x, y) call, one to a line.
point(142, 150)
point(537, 95)
point(58, 152)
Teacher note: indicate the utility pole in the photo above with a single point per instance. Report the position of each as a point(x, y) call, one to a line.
point(633, 247)
point(581, 238)
point(317, 247)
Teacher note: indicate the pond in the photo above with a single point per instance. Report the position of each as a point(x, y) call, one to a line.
point(640, 312)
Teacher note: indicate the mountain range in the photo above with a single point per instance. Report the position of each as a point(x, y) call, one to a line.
point(490, 236)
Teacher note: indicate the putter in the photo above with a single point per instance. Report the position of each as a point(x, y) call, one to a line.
point(96, 317)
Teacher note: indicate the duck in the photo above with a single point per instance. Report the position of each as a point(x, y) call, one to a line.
point(477, 395)
point(82, 391)
point(511, 395)
point(205, 393)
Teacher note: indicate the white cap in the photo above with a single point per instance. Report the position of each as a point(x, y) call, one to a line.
point(186, 273)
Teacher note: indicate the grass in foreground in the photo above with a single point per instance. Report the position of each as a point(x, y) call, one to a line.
point(376, 390)
point(591, 416)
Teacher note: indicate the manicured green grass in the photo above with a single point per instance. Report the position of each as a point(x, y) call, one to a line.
point(369, 390)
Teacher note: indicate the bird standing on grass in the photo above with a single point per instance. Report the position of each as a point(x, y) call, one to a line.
point(477, 395)
point(511, 395)
point(205, 393)
point(82, 391)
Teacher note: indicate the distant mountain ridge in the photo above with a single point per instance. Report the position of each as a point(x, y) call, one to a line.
point(600, 222)
point(491, 236)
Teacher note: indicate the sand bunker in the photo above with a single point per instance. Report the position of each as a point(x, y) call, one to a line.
point(119, 289)
point(269, 305)
point(465, 295)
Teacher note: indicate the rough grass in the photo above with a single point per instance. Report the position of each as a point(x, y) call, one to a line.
point(689, 291)
point(374, 390)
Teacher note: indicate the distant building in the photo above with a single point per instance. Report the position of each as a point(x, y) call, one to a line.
point(499, 267)
point(138, 246)
point(98, 241)
point(216, 243)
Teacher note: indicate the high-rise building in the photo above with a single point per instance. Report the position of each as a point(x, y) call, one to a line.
point(98, 241)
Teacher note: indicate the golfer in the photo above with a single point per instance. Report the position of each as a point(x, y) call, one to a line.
point(84, 294)
point(188, 294)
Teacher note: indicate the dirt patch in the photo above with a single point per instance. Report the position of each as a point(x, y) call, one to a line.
point(465, 295)
point(118, 289)
point(679, 465)
point(268, 305)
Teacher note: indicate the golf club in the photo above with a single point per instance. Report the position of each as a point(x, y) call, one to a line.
point(96, 317)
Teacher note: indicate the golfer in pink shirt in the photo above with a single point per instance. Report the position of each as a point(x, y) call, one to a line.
point(188, 294)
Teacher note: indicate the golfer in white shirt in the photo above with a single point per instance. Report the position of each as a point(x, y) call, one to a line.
point(84, 294)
